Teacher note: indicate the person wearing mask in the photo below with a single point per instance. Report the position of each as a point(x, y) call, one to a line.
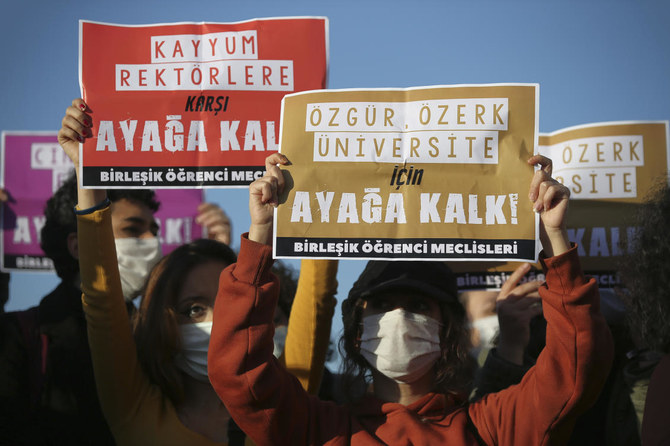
point(48, 391)
point(516, 344)
point(152, 378)
point(413, 344)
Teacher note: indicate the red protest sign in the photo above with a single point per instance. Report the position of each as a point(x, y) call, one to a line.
point(192, 104)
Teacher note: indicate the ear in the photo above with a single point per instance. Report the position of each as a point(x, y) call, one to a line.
point(73, 245)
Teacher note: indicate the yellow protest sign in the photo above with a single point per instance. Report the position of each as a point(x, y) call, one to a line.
point(609, 168)
point(419, 173)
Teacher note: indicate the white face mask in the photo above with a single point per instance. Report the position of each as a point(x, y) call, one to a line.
point(136, 257)
point(488, 328)
point(401, 345)
point(192, 359)
point(279, 340)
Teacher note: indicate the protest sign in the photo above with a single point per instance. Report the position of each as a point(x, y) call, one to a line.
point(33, 167)
point(419, 173)
point(192, 104)
point(609, 168)
point(176, 217)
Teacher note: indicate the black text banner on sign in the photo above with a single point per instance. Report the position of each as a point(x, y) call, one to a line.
point(420, 173)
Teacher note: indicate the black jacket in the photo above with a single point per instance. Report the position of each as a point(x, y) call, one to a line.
point(47, 387)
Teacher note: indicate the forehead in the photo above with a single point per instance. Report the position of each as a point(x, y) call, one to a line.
point(400, 294)
point(201, 281)
point(124, 208)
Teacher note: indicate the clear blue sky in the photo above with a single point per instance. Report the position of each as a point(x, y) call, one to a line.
point(595, 60)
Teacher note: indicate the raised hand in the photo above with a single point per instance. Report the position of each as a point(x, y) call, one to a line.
point(550, 199)
point(216, 222)
point(263, 198)
point(75, 128)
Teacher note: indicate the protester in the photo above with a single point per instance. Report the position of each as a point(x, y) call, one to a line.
point(48, 390)
point(514, 307)
point(611, 420)
point(272, 408)
point(517, 307)
point(483, 322)
point(646, 273)
point(153, 387)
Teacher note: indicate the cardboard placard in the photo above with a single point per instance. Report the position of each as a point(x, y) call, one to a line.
point(420, 173)
point(610, 168)
point(192, 104)
point(33, 167)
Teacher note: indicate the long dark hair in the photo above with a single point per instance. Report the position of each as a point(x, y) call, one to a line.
point(155, 325)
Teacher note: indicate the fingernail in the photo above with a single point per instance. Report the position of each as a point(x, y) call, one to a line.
point(82, 106)
point(80, 138)
point(87, 123)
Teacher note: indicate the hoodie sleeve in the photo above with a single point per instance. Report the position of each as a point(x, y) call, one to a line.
point(118, 376)
point(265, 400)
point(569, 373)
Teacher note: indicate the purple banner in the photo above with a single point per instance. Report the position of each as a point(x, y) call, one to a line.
point(176, 217)
point(33, 166)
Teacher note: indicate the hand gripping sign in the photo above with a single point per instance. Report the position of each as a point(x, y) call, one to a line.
point(420, 173)
point(192, 104)
point(33, 167)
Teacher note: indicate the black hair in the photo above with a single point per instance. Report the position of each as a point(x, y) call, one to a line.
point(155, 325)
point(61, 221)
point(646, 272)
point(146, 197)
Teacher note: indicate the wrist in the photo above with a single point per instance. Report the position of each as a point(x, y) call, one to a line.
point(261, 233)
point(89, 210)
point(555, 241)
point(88, 198)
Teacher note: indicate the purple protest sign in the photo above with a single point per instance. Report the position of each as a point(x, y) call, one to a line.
point(33, 168)
point(176, 217)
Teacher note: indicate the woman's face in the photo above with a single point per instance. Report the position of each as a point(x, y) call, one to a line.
point(195, 300)
point(411, 302)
